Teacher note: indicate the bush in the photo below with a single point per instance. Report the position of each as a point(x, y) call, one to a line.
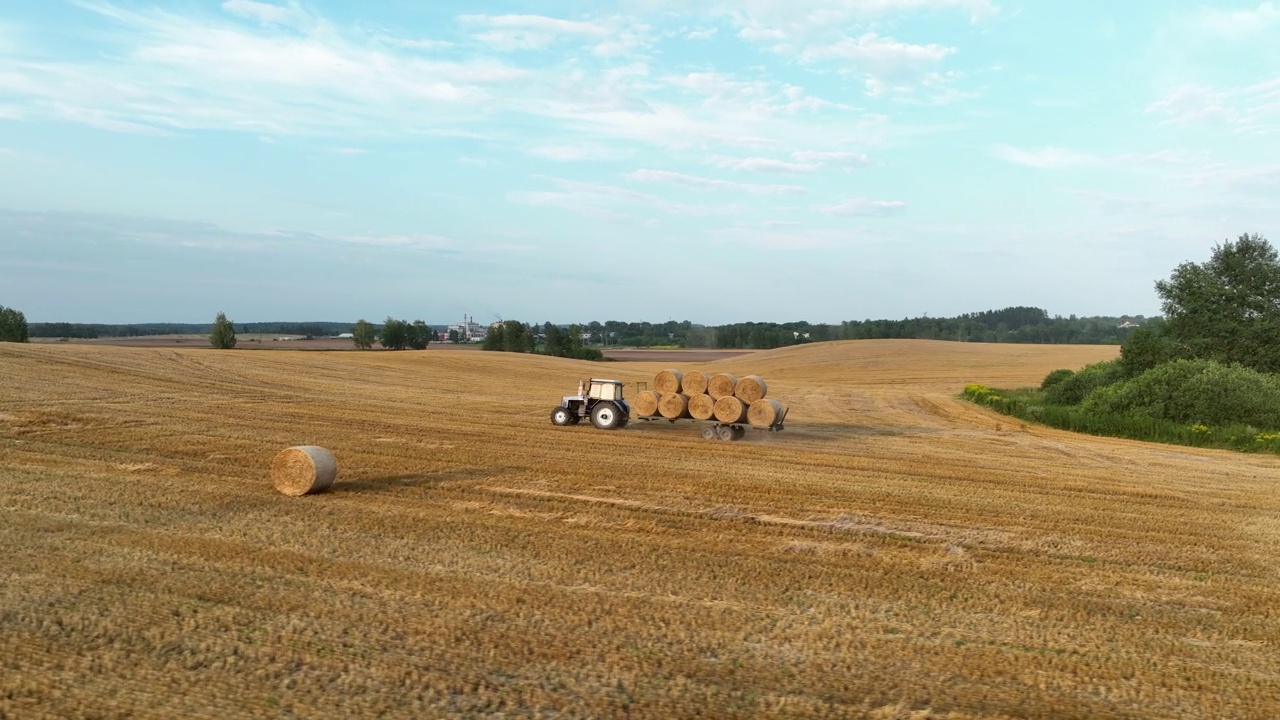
point(1055, 377)
point(1073, 389)
point(1146, 348)
point(1194, 391)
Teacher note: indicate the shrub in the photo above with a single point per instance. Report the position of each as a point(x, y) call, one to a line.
point(1073, 389)
point(1055, 377)
point(1198, 392)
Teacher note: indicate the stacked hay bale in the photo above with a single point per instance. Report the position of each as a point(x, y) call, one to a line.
point(722, 397)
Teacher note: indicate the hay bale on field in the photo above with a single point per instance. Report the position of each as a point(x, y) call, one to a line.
point(721, 385)
point(303, 470)
point(694, 383)
point(750, 389)
point(701, 407)
point(668, 381)
point(730, 409)
point(674, 405)
point(646, 403)
point(765, 412)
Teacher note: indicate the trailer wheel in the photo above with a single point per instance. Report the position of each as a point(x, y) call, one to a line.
point(606, 416)
point(725, 433)
point(709, 432)
point(561, 416)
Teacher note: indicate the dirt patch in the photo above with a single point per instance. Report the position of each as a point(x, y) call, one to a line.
point(673, 355)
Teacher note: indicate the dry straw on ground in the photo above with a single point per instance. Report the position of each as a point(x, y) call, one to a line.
point(721, 385)
point(673, 406)
point(668, 381)
point(730, 409)
point(765, 412)
point(897, 552)
point(750, 389)
point(303, 470)
point(694, 383)
point(646, 403)
point(701, 407)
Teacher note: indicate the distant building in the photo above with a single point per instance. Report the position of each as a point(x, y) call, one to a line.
point(346, 336)
point(469, 330)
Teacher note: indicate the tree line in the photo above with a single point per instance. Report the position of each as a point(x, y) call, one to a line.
point(1010, 325)
point(515, 336)
point(1206, 373)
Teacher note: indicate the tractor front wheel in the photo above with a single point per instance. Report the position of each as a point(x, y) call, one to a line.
point(561, 416)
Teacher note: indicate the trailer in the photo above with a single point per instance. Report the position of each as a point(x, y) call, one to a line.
point(716, 430)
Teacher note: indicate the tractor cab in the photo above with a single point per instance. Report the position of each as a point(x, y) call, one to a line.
point(598, 399)
point(598, 389)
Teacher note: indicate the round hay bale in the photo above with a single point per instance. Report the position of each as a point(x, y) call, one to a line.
point(730, 409)
point(303, 470)
point(750, 389)
point(668, 381)
point(721, 385)
point(646, 403)
point(701, 407)
point(674, 405)
point(765, 412)
point(694, 383)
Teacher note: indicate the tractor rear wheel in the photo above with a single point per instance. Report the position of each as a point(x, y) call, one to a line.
point(561, 416)
point(606, 416)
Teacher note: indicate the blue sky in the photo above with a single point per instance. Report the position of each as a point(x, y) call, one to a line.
point(717, 161)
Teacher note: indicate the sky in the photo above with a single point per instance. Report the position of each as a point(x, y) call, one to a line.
point(708, 160)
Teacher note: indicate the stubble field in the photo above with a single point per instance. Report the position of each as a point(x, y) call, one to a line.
point(895, 552)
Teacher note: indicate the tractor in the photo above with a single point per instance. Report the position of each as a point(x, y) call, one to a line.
point(597, 399)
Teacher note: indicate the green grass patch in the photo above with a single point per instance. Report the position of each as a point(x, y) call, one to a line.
point(1030, 404)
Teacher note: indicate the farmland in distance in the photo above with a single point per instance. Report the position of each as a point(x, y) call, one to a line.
point(896, 552)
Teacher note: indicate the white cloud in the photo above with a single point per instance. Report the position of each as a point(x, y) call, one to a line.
point(172, 72)
point(573, 153)
point(277, 69)
point(509, 33)
point(613, 203)
point(863, 207)
point(1237, 23)
point(836, 158)
point(1045, 158)
point(701, 183)
point(1054, 158)
point(1187, 104)
point(756, 164)
point(879, 55)
point(417, 241)
point(265, 13)
point(802, 162)
point(1251, 109)
point(703, 34)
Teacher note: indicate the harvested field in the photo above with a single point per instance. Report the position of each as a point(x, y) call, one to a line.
point(896, 552)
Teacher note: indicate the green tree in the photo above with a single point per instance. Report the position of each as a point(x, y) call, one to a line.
point(363, 334)
point(1227, 309)
point(420, 335)
point(395, 334)
point(13, 325)
point(1146, 348)
point(223, 335)
point(493, 338)
point(455, 337)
